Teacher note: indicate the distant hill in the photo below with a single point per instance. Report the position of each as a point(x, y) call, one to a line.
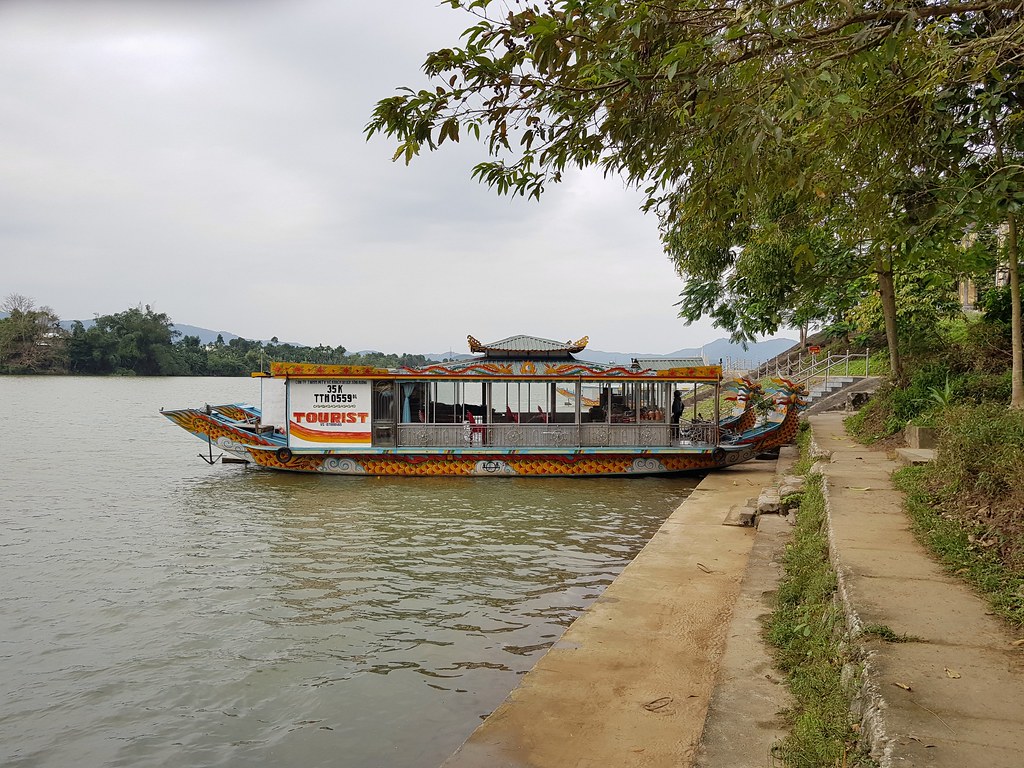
point(206, 336)
point(719, 349)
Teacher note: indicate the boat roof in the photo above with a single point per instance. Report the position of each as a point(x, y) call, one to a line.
point(522, 345)
point(517, 357)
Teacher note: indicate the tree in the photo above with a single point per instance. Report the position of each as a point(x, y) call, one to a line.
point(136, 341)
point(16, 302)
point(721, 111)
point(31, 339)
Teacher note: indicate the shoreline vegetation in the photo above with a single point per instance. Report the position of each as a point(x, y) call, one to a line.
point(142, 342)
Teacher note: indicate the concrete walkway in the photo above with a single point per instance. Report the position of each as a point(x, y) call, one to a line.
point(954, 695)
point(629, 682)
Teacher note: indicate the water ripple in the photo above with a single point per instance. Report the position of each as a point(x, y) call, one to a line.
point(158, 612)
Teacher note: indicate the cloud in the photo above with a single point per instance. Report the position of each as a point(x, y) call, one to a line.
point(208, 158)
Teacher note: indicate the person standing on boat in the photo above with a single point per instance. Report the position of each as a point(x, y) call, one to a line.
point(677, 412)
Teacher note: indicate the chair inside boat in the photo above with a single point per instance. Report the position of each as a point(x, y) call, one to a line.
point(477, 431)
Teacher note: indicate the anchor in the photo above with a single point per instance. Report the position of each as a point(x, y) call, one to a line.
point(211, 461)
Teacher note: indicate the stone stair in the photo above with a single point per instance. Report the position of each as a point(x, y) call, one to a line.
point(843, 394)
point(834, 384)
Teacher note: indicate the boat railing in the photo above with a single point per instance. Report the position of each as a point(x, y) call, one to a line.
point(553, 435)
point(699, 432)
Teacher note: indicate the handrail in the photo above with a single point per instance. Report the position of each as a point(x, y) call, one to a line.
point(803, 368)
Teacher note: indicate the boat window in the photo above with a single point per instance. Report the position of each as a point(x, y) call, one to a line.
point(596, 400)
point(655, 400)
point(444, 402)
point(622, 402)
point(521, 401)
point(564, 410)
point(413, 397)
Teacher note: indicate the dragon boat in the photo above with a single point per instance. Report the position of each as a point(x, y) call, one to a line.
point(521, 406)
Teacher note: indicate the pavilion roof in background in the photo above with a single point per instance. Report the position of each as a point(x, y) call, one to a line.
point(665, 363)
point(527, 346)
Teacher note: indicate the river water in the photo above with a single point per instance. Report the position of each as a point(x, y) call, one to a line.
point(156, 611)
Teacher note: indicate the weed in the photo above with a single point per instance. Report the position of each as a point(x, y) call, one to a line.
point(960, 544)
point(941, 396)
point(886, 633)
point(803, 443)
point(792, 500)
point(806, 630)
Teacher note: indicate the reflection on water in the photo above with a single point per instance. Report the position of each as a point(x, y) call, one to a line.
point(160, 612)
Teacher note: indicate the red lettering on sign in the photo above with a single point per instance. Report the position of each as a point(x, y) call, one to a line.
point(332, 417)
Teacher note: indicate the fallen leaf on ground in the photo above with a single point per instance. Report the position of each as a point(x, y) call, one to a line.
point(853, 488)
point(952, 674)
point(657, 704)
point(1018, 643)
point(904, 686)
point(703, 567)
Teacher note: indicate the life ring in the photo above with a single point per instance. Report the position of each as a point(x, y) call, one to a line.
point(718, 455)
point(284, 455)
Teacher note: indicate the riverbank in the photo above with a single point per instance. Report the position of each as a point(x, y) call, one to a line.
point(629, 683)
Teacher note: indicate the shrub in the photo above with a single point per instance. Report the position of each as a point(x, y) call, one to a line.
point(980, 448)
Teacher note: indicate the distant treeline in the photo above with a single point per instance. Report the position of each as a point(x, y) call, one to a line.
point(142, 342)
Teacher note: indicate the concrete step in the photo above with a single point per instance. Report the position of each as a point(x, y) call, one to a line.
point(915, 457)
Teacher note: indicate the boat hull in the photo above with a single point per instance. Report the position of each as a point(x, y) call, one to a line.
point(487, 464)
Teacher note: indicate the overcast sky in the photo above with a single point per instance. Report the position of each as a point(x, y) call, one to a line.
point(207, 157)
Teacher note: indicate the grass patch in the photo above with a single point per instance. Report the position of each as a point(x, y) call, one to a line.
point(888, 634)
point(965, 546)
point(803, 443)
point(808, 631)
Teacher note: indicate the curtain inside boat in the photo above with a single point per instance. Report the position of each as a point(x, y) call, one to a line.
point(407, 390)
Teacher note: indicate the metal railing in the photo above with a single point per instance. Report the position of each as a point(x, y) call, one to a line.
point(699, 433)
point(805, 368)
point(554, 435)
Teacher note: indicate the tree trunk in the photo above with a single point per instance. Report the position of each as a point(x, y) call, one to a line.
point(803, 337)
point(887, 292)
point(1013, 267)
point(1013, 264)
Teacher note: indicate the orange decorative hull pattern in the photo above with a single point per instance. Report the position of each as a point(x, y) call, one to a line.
point(489, 465)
